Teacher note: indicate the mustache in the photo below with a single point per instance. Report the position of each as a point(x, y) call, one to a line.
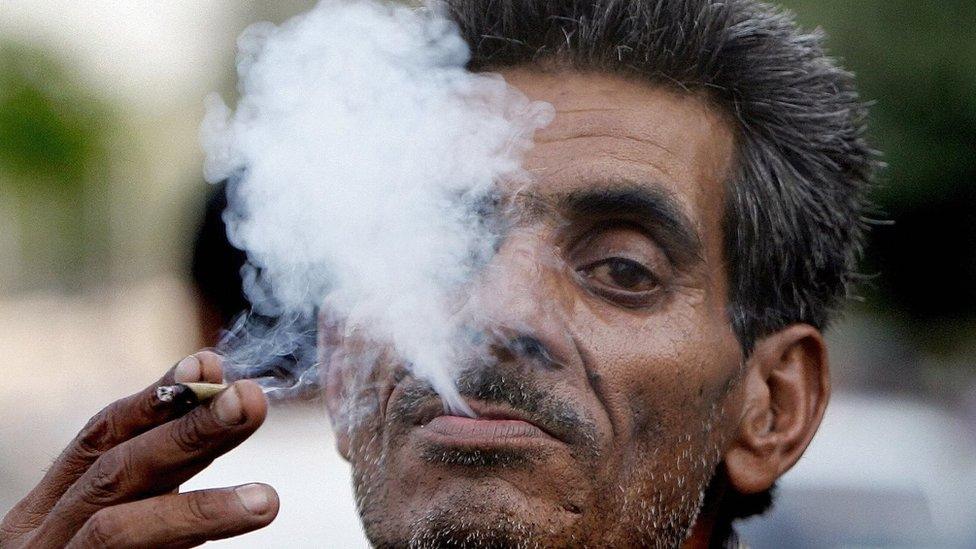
point(504, 385)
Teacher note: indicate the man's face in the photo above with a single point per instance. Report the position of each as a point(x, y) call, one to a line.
point(612, 390)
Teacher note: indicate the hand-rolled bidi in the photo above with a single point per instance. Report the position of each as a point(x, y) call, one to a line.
point(189, 394)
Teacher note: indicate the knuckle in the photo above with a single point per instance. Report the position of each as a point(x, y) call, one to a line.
point(91, 440)
point(10, 532)
point(107, 479)
point(19, 521)
point(101, 432)
point(102, 530)
point(189, 433)
point(201, 507)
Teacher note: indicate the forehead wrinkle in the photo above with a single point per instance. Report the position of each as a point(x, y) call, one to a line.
point(604, 133)
point(586, 110)
point(602, 123)
point(602, 166)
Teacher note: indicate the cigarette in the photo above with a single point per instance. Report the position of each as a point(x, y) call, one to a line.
point(189, 393)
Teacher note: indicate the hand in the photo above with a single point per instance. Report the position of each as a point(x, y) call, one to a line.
point(116, 484)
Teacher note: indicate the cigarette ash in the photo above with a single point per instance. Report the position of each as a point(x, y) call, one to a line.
point(358, 159)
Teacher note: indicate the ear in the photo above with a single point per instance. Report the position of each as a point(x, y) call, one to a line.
point(332, 378)
point(786, 387)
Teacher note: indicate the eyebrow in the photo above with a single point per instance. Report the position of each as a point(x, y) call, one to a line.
point(649, 205)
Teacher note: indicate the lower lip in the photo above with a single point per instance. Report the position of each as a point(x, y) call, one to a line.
point(482, 432)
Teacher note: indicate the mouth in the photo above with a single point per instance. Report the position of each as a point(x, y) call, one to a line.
point(495, 426)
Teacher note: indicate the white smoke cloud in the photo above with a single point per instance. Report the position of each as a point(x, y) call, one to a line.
point(357, 154)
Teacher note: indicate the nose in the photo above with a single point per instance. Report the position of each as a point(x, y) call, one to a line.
point(521, 303)
point(529, 347)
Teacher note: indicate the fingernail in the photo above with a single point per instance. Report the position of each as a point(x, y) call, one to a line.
point(187, 370)
point(227, 407)
point(254, 498)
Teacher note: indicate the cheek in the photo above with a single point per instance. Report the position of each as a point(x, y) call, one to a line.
point(358, 377)
point(658, 372)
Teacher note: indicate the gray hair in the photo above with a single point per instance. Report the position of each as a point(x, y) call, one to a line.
point(794, 225)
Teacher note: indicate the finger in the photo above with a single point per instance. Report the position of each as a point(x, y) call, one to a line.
point(118, 422)
point(180, 520)
point(159, 460)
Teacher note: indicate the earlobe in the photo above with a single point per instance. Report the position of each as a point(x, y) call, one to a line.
point(785, 392)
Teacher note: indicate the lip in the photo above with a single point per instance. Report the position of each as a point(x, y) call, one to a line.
point(480, 429)
point(495, 426)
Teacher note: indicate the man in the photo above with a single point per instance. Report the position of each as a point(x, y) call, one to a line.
point(695, 219)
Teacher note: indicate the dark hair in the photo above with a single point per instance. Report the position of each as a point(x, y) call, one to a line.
point(216, 264)
point(227, 316)
point(794, 222)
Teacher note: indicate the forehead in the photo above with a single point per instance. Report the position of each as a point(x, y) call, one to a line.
point(611, 129)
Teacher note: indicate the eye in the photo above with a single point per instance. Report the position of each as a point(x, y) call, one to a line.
point(620, 274)
point(621, 264)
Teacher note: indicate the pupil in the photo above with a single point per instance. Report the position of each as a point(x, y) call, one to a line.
point(626, 274)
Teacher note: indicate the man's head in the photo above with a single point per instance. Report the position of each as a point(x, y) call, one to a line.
point(655, 309)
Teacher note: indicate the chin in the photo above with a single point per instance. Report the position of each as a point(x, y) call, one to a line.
point(485, 512)
point(450, 529)
point(462, 509)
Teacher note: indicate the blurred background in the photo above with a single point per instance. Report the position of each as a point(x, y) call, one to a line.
point(101, 199)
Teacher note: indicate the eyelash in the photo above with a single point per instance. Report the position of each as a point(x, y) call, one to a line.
point(617, 297)
point(626, 298)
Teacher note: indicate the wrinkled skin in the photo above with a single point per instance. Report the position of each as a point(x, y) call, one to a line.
point(611, 391)
point(117, 483)
point(632, 366)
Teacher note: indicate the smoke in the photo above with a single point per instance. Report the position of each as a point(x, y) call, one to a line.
point(358, 159)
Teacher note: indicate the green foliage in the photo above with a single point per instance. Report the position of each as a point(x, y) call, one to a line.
point(54, 158)
point(916, 61)
point(52, 132)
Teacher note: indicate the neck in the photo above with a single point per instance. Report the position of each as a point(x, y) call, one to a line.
point(708, 533)
point(708, 530)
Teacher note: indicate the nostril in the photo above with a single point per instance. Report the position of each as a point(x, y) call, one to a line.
point(527, 346)
point(532, 348)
